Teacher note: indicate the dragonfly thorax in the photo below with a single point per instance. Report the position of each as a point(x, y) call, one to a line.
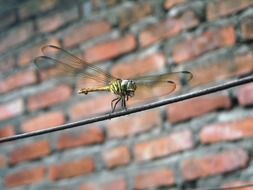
point(128, 87)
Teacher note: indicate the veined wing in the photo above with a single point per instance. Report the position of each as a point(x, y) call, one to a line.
point(154, 86)
point(68, 64)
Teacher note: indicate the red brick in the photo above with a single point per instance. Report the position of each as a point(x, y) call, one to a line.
point(210, 165)
point(59, 94)
point(57, 20)
point(43, 121)
point(222, 67)
point(217, 9)
point(11, 109)
point(197, 107)
point(245, 95)
point(168, 4)
point(154, 179)
point(163, 146)
point(139, 67)
point(71, 169)
point(168, 28)
point(117, 184)
point(111, 49)
point(18, 80)
point(30, 151)
point(23, 32)
point(115, 157)
point(90, 107)
point(132, 125)
point(85, 32)
point(239, 185)
point(25, 177)
point(227, 131)
point(7, 131)
point(30, 9)
point(87, 137)
point(132, 14)
point(247, 28)
point(3, 161)
point(27, 56)
point(7, 64)
point(210, 40)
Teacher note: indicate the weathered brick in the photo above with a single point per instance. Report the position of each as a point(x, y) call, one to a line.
point(227, 131)
point(43, 121)
point(217, 9)
point(90, 107)
point(85, 32)
point(197, 107)
point(154, 178)
point(89, 136)
point(3, 161)
point(219, 163)
point(7, 64)
point(52, 97)
point(221, 67)
point(247, 28)
point(10, 39)
point(71, 169)
point(58, 19)
point(30, 151)
point(11, 109)
point(111, 49)
point(117, 184)
point(210, 40)
point(132, 125)
point(139, 67)
point(115, 157)
point(163, 146)
point(27, 56)
point(168, 28)
point(168, 4)
point(18, 80)
point(25, 177)
point(7, 131)
point(31, 8)
point(133, 14)
point(245, 95)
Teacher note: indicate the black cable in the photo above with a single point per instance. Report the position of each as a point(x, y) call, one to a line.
point(182, 97)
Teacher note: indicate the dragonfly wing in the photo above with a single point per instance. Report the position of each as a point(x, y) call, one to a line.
point(68, 64)
point(154, 86)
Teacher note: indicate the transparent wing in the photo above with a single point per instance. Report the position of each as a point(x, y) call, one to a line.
point(65, 63)
point(149, 87)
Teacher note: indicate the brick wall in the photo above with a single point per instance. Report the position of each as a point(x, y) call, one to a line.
point(201, 142)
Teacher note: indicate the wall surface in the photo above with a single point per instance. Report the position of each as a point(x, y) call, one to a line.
point(202, 142)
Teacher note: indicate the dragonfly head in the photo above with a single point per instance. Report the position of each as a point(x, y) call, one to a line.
point(129, 86)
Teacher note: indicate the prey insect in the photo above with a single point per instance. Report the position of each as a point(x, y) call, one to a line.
point(143, 87)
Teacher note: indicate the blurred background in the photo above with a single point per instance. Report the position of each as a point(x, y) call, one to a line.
point(202, 142)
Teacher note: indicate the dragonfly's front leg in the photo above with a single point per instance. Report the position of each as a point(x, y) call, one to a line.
point(117, 101)
point(123, 102)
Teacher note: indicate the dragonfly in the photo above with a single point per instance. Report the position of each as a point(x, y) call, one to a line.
point(141, 87)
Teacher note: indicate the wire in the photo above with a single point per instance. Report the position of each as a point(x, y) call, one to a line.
point(182, 97)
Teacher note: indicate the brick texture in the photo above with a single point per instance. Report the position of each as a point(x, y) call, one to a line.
point(52, 97)
point(25, 177)
point(87, 137)
point(163, 146)
point(245, 95)
point(31, 151)
point(11, 109)
point(18, 80)
point(196, 107)
point(168, 4)
point(43, 121)
point(119, 184)
point(214, 164)
point(71, 169)
point(7, 131)
point(154, 179)
point(111, 49)
point(208, 41)
point(227, 131)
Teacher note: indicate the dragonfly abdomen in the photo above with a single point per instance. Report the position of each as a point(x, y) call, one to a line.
point(87, 90)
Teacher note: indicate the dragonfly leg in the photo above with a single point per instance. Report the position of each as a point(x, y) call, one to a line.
point(114, 105)
point(123, 102)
